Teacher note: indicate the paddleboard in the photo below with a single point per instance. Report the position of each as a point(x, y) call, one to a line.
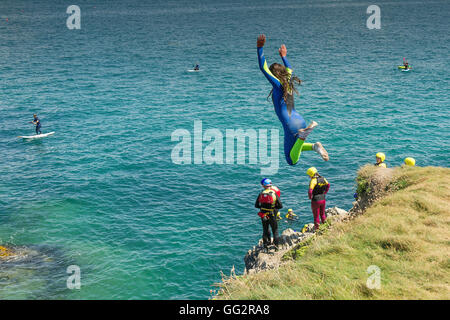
point(36, 136)
point(192, 70)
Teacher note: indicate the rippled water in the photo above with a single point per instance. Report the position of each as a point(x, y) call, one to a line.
point(103, 192)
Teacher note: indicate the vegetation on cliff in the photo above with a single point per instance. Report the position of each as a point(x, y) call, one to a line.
point(398, 235)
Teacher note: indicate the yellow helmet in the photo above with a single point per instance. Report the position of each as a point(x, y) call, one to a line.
point(410, 162)
point(311, 172)
point(289, 210)
point(381, 155)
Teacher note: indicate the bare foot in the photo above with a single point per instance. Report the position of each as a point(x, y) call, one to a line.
point(318, 147)
point(303, 133)
point(312, 125)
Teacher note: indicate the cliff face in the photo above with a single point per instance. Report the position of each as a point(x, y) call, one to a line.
point(396, 237)
point(258, 258)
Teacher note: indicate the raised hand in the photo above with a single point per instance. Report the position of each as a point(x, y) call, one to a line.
point(261, 41)
point(282, 51)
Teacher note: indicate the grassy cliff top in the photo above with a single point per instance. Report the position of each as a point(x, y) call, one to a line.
point(402, 239)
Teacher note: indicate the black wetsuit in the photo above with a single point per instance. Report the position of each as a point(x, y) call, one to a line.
point(38, 125)
point(270, 220)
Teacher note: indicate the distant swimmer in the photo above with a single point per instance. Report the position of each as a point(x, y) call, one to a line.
point(380, 157)
point(269, 203)
point(295, 129)
point(291, 215)
point(411, 162)
point(37, 123)
point(318, 188)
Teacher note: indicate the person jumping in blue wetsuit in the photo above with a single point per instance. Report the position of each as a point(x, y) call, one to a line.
point(295, 129)
point(37, 123)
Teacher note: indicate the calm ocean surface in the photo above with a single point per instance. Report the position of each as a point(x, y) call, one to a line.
point(104, 194)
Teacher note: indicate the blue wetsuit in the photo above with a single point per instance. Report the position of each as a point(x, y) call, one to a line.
point(291, 120)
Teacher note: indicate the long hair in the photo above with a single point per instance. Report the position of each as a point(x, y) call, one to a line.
point(287, 82)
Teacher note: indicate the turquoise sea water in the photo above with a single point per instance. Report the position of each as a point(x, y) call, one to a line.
point(104, 194)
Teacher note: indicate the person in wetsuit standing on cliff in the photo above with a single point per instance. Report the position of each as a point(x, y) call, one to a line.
point(318, 188)
point(269, 203)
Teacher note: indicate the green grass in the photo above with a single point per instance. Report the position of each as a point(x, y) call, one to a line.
point(404, 233)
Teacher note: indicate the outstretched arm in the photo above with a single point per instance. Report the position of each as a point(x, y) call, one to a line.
point(263, 64)
point(283, 53)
